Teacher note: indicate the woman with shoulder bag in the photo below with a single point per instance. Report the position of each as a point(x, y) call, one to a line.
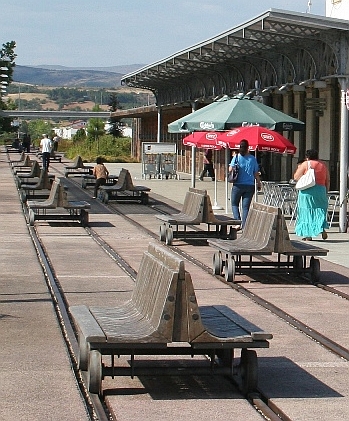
point(312, 202)
point(244, 186)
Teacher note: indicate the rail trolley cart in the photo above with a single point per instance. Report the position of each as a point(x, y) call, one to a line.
point(159, 160)
point(150, 165)
point(168, 166)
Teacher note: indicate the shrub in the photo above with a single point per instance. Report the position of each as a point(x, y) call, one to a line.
point(109, 148)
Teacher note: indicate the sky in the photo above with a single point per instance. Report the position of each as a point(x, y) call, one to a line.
point(103, 33)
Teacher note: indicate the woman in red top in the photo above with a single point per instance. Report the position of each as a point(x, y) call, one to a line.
point(312, 203)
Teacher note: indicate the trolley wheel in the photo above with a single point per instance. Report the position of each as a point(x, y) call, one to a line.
point(169, 236)
point(95, 372)
point(84, 349)
point(162, 232)
point(298, 263)
point(248, 371)
point(217, 263)
point(314, 270)
point(229, 269)
point(145, 199)
point(31, 217)
point(83, 184)
point(105, 199)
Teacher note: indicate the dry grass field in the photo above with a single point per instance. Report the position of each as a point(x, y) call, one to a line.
point(47, 104)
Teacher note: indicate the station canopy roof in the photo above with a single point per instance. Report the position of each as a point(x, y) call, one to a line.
point(272, 39)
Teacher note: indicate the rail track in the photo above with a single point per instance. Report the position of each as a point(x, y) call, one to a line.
point(98, 408)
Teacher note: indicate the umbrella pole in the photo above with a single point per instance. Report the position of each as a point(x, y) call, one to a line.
point(193, 166)
point(226, 182)
point(215, 205)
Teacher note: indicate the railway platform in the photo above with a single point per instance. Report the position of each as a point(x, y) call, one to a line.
point(37, 381)
point(37, 377)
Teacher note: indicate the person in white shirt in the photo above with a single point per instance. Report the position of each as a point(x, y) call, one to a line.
point(46, 147)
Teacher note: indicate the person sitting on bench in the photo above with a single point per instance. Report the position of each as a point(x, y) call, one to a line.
point(101, 173)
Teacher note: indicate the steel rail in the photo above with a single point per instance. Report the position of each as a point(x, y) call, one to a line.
point(93, 404)
point(96, 407)
point(259, 401)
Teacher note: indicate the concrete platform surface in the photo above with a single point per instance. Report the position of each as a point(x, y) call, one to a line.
point(36, 377)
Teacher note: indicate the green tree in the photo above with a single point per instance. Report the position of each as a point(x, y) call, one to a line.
point(36, 128)
point(7, 57)
point(79, 136)
point(95, 128)
point(115, 126)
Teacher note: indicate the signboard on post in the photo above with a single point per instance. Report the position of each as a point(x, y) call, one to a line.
point(155, 148)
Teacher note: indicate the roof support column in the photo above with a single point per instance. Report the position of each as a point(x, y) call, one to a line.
point(343, 170)
point(193, 152)
point(158, 134)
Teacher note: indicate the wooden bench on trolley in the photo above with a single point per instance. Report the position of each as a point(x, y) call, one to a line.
point(124, 190)
point(58, 208)
point(34, 181)
point(89, 180)
point(196, 210)
point(77, 168)
point(22, 158)
point(28, 172)
point(22, 165)
point(162, 317)
point(17, 161)
point(38, 190)
point(264, 234)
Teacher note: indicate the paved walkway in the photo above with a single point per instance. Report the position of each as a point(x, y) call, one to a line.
point(36, 378)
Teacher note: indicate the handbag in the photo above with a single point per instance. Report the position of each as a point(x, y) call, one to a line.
point(307, 180)
point(233, 174)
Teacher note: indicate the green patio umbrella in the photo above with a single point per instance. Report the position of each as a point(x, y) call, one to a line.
point(228, 113)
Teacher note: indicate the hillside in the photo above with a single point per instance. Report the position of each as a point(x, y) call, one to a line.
point(60, 76)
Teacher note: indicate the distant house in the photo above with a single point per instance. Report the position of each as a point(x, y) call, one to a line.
point(126, 130)
point(68, 130)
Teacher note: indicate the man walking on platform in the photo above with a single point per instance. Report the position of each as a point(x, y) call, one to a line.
point(208, 165)
point(46, 147)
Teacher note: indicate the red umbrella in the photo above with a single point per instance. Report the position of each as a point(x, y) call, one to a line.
point(258, 137)
point(206, 140)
